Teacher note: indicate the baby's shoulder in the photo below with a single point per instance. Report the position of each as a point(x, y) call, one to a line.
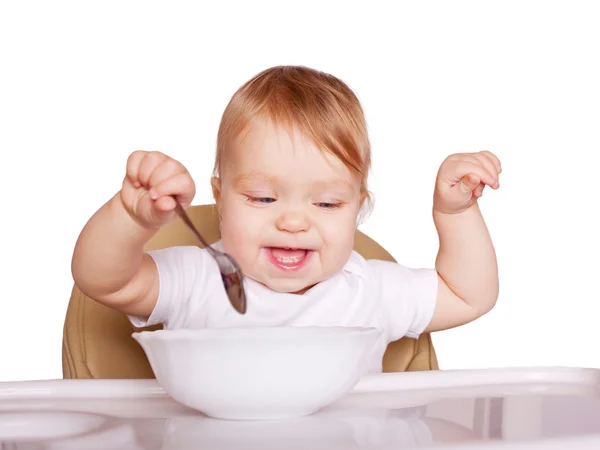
point(185, 258)
point(357, 265)
point(179, 251)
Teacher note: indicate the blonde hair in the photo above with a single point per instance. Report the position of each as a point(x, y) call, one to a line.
point(320, 105)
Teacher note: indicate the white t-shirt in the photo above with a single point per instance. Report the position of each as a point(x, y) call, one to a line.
point(365, 293)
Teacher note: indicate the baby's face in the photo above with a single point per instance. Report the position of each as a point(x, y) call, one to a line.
point(288, 209)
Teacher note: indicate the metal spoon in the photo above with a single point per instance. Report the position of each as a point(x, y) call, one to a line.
point(231, 273)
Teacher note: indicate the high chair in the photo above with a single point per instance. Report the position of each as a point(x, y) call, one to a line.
point(97, 340)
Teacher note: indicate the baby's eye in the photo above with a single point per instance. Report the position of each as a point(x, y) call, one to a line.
point(327, 205)
point(261, 200)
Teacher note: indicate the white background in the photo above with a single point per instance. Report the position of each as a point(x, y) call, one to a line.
point(82, 84)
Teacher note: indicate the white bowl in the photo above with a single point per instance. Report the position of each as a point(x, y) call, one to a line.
point(259, 373)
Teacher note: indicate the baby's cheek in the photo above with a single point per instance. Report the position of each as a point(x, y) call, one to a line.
point(233, 235)
point(240, 242)
point(339, 242)
point(339, 232)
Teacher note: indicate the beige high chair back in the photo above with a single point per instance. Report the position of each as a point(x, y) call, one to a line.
point(97, 340)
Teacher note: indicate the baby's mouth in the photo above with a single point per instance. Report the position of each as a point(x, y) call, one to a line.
point(288, 258)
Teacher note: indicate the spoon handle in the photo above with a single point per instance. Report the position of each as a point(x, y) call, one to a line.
point(186, 219)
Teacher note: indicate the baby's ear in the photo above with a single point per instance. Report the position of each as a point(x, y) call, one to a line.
point(364, 195)
point(366, 207)
point(215, 183)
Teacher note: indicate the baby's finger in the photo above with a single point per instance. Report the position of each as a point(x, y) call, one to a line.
point(478, 192)
point(147, 166)
point(165, 204)
point(465, 167)
point(133, 165)
point(469, 183)
point(181, 186)
point(494, 159)
point(168, 168)
point(481, 160)
point(489, 166)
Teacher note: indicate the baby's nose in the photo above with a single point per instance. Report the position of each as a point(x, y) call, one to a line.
point(293, 222)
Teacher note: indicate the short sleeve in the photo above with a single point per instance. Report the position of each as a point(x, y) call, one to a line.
point(408, 296)
point(180, 270)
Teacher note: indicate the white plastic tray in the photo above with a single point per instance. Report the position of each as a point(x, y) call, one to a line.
point(543, 408)
point(407, 381)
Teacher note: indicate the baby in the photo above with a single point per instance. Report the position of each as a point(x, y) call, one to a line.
point(290, 186)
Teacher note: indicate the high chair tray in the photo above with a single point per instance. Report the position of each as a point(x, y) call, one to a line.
point(533, 408)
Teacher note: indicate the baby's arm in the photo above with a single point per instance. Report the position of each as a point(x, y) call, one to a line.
point(466, 261)
point(109, 263)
